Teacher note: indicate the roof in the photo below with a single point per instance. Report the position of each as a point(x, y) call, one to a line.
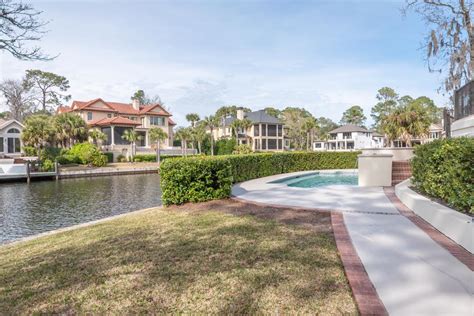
point(118, 120)
point(171, 122)
point(376, 134)
point(4, 123)
point(256, 117)
point(434, 127)
point(117, 107)
point(349, 128)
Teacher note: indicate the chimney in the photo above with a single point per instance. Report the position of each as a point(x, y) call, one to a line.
point(136, 104)
point(240, 114)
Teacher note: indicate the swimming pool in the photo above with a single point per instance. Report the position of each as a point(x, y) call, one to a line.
point(320, 179)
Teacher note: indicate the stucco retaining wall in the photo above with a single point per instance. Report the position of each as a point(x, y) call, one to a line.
point(457, 226)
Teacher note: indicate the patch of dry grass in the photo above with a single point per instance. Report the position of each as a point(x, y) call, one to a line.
point(198, 259)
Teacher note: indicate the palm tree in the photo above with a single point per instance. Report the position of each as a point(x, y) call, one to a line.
point(235, 126)
point(309, 126)
point(184, 134)
point(132, 137)
point(97, 136)
point(199, 135)
point(157, 135)
point(246, 124)
point(211, 122)
point(70, 128)
point(38, 132)
point(192, 118)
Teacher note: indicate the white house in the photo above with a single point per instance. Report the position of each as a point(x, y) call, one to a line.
point(350, 137)
point(463, 124)
point(10, 140)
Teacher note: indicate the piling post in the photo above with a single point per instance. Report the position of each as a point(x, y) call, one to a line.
point(28, 176)
point(56, 169)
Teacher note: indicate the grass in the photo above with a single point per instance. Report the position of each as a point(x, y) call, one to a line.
point(204, 258)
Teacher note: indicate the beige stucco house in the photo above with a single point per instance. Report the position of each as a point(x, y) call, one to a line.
point(114, 118)
point(266, 133)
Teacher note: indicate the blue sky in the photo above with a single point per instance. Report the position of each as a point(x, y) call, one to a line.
point(200, 55)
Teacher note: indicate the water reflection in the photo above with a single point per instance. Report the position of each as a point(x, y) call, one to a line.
point(47, 205)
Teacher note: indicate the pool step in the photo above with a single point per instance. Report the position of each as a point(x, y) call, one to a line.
point(401, 170)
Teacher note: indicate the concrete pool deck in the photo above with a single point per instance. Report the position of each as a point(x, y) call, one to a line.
point(411, 272)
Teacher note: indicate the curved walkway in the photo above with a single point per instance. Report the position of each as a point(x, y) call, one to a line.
point(411, 272)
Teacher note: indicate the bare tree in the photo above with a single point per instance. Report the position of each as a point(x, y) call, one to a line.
point(20, 25)
point(18, 97)
point(450, 42)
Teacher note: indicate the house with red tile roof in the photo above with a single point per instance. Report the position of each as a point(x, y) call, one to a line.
point(114, 118)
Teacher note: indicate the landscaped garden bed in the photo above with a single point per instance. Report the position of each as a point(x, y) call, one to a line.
point(221, 256)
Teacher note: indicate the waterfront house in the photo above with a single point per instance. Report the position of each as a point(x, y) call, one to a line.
point(350, 137)
point(463, 124)
point(265, 134)
point(435, 132)
point(114, 118)
point(10, 138)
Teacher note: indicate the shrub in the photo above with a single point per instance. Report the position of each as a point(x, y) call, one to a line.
point(182, 178)
point(151, 158)
point(445, 169)
point(110, 156)
point(47, 165)
point(67, 158)
point(121, 158)
point(225, 146)
point(242, 150)
point(29, 151)
point(88, 154)
point(195, 179)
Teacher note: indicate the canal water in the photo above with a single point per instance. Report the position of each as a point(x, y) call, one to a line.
point(42, 206)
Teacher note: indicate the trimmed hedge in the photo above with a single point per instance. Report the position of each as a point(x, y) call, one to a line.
point(199, 179)
point(151, 157)
point(195, 180)
point(445, 169)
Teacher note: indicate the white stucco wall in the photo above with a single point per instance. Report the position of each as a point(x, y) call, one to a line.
point(463, 127)
point(375, 170)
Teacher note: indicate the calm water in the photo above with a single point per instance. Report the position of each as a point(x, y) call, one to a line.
point(47, 205)
point(324, 179)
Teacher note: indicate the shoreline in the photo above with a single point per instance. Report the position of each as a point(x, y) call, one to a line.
point(73, 227)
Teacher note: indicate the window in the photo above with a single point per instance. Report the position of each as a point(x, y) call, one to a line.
point(346, 135)
point(280, 144)
point(272, 130)
point(142, 120)
point(256, 130)
point(13, 145)
point(109, 115)
point(272, 143)
point(317, 145)
point(1, 144)
point(157, 120)
point(13, 131)
point(89, 116)
point(264, 144)
point(264, 129)
point(280, 131)
point(257, 144)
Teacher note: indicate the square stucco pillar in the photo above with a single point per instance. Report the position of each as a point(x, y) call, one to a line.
point(375, 170)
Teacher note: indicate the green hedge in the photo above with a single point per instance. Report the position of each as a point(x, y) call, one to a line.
point(195, 180)
point(151, 157)
point(445, 169)
point(198, 179)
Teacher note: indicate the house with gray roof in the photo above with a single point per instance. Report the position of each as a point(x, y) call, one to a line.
point(266, 132)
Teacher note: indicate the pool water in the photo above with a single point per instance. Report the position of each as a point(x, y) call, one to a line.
point(315, 180)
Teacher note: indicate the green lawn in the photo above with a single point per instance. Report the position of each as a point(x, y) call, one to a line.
point(205, 258)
